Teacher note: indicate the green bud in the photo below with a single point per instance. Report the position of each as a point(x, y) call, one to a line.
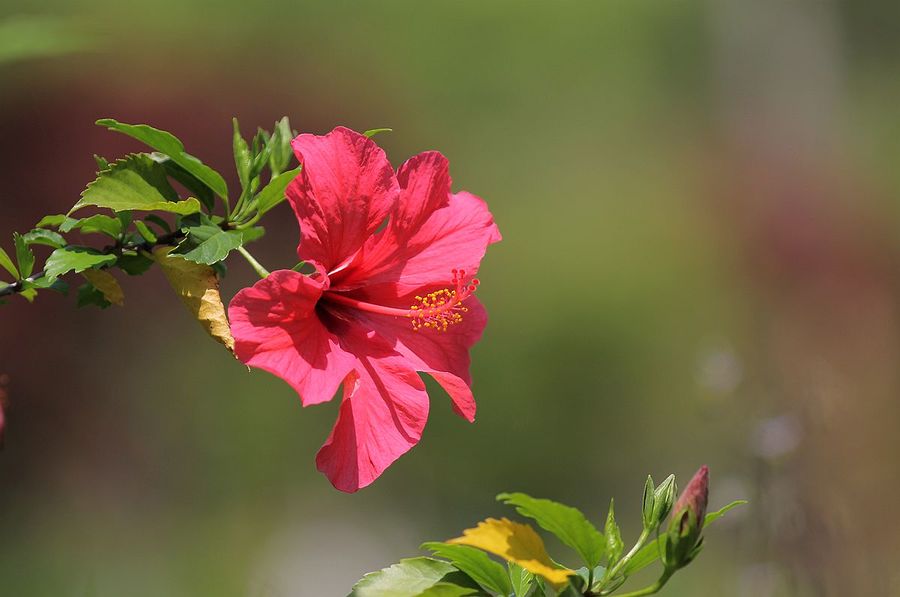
point(648, 504)
point(664, 498)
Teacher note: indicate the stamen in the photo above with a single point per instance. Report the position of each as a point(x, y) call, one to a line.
point(442, 308)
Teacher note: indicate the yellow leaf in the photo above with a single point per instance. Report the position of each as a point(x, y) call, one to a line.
point(198, 287)
point(104, 281)
point(514, 542)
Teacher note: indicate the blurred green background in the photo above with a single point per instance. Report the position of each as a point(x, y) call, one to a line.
point(699, 265)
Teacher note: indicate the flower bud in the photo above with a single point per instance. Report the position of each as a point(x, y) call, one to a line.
point(683, 540)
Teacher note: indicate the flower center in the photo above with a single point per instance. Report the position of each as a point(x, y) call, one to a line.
point(436, 310)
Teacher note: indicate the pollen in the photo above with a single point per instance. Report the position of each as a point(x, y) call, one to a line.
point(440, 309)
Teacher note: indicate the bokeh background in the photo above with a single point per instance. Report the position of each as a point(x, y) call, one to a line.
point(700, 265)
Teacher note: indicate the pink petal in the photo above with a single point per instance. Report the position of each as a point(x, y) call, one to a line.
point(344, 192)
point(276, 328)
point(443, 355)
point(455, 236)
point(382, 416)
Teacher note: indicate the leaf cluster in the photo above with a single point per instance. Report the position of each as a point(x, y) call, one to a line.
point(463, 566)
point(161, 198)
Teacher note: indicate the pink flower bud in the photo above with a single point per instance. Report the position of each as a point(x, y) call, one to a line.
point(693, 499)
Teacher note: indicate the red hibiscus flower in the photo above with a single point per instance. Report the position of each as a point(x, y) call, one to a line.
point(387, 300)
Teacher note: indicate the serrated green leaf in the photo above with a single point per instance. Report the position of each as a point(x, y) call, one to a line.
point(24, 255)
point(210, 244)
point(474, 562)
point(7, 264)
point(406, 578)
point(372, 132)
point(522, 580)
point(53, 221)
point(614, 544)
point(39, 236)
point(74, 259)
point(145, 232)
point(567, 523)
point(135, 183)
point(170, 145)
point(273, 193)
point(111, 227)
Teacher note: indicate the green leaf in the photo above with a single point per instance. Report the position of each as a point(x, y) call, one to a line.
point(614, 544)
point(29, 291)
point(241, 154)
point(53, 221)
point(135, 182)
point(273, 193)
point(56, 285)
point(210, 244)
point(406, 578)
point(145, 232)
point(39, 236)
point(7, 264)
point(169, 144)
point(522, 580)
point(24, 255)
point(653, 551)
point(102, 162)
point(88, 295)
point(372, 132)
point(133, 265)
point(155, 219)
point(195, 186)
point(446, 589)
point(111, 227)
point(474, 562)
point(567, 523)
point(74, 259)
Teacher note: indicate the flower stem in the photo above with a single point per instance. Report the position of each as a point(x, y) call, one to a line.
point(263, 272)
point(655, 587)
point(612, 572)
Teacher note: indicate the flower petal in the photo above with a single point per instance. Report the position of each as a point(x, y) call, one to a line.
point(383, 413)
point(276, 328)
point(344, 192)
point(455, 236)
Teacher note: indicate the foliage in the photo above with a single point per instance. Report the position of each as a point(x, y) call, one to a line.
point(466, 569)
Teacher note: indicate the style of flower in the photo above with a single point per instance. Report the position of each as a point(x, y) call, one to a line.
point(395, 255)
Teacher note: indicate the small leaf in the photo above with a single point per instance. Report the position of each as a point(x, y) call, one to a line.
point(102, 162)
point(74, 259)
point(145, 232)
point(406, 578)
point(24, 255)
point(170, 145)
point(57, 285)
point(210, 244)
point(133, 265)
point(111, 227)
point(198, 287)
point(39, 236)
point(567, 523)
point(714, 516)
point(614, 544)
point(522, 580)
point(446, 589)
point(104, 281)
point(273, 193)
point(88, 295)
point(514, 542)
point(474, 562)
point(51, 221)
point(372, 132)
point(138, 183)
point(7, 264)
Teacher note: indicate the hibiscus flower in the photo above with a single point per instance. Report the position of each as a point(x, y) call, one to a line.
point(395, 256)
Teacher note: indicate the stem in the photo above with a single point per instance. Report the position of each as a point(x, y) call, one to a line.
point(655, 587)
point(263, 272)
point(612, 572)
